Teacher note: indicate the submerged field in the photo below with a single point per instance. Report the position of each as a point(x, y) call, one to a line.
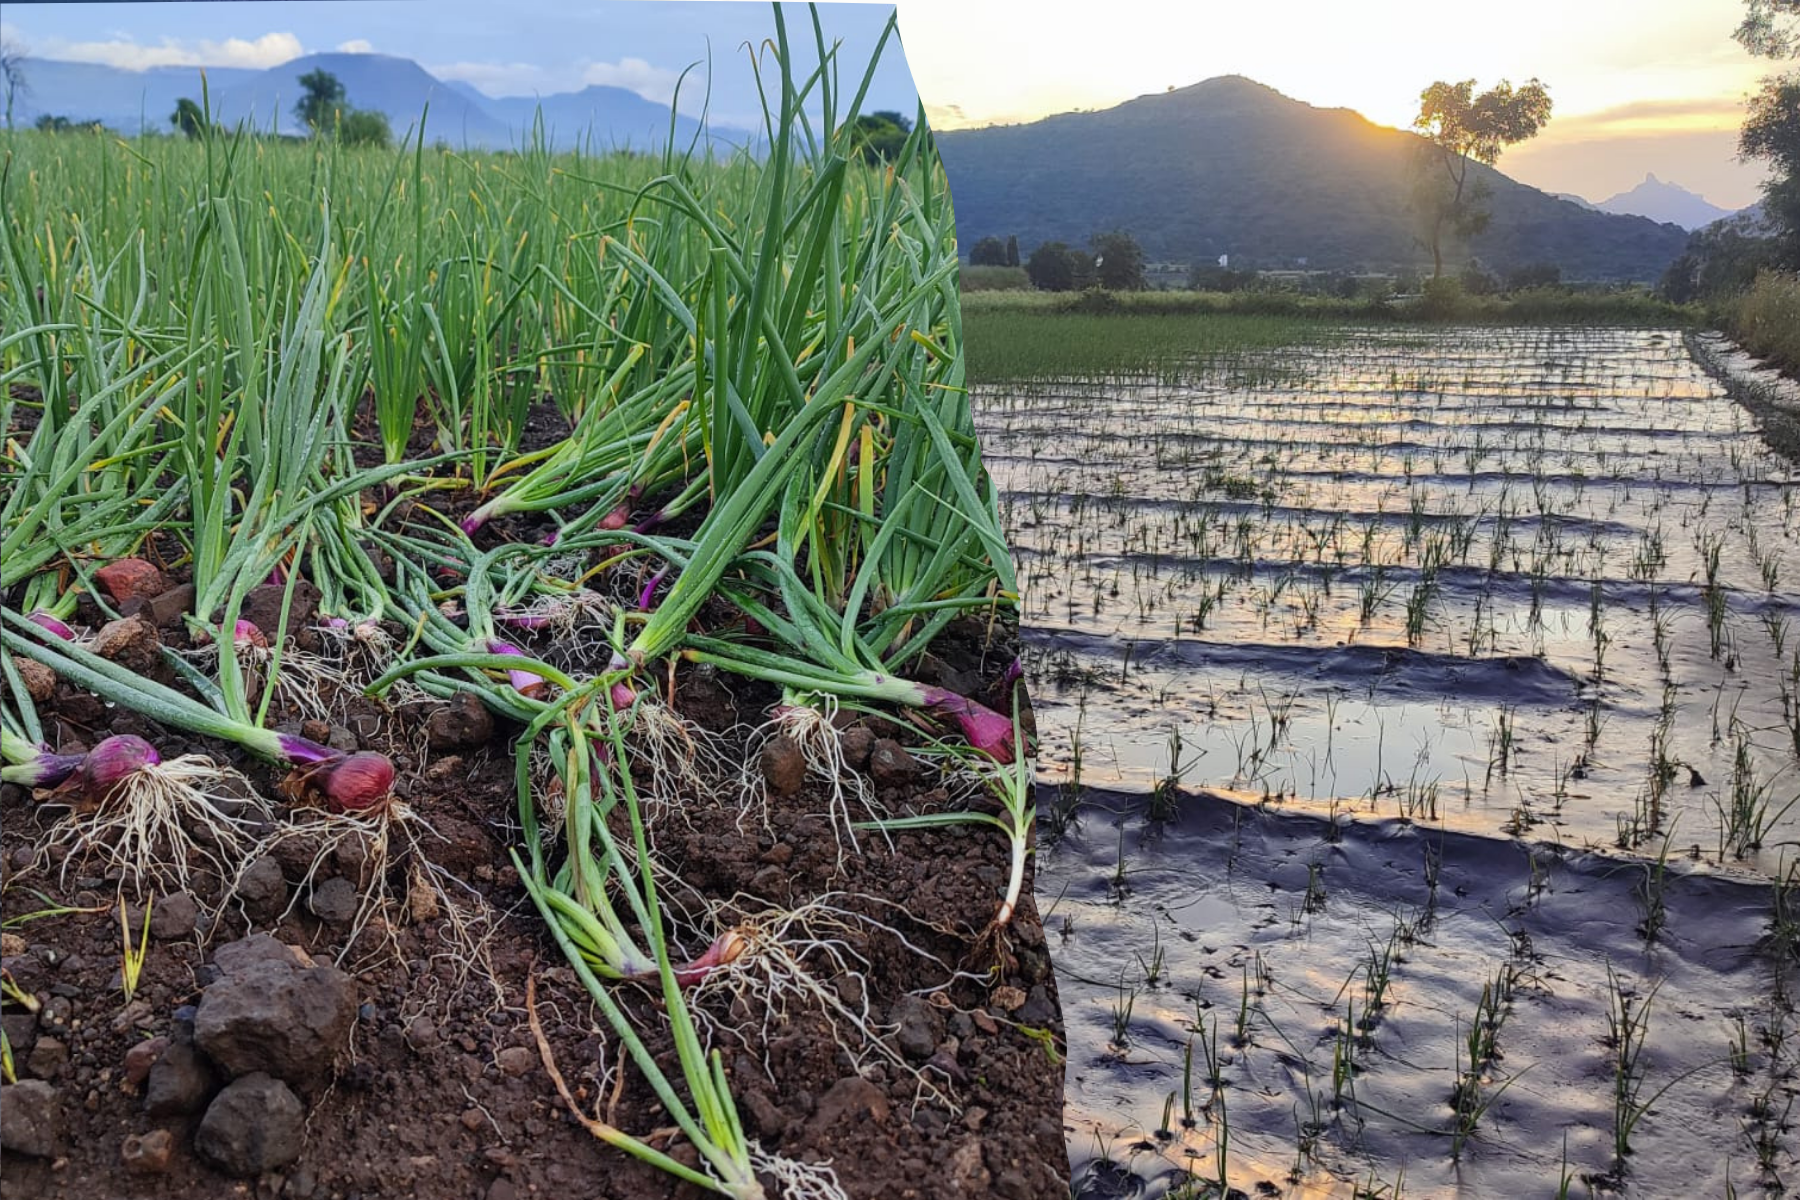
point(1323, 620)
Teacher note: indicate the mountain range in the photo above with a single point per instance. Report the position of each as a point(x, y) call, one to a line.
point(1661, 200)
point(398, 87)
point(1230, 166)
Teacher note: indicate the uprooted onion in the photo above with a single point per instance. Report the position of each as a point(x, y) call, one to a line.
point(360, 783)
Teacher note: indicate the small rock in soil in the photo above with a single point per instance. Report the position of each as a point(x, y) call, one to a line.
point(919, 1030)
point(132, 579)
point(148, 1153)
point(1009, 998)
point(422, 1034)
point(334, 902)
point(131, 642)
point(39, 680)
point(851, 1097)
point(21, 1031)
point(166, 610)
point(256, 1124)
point(516, 1060)
point(181, 1082)
point(463, 721)
point(142, 1057)
point(174, 916)
point(890, 765)
point(856, 744)
point(278, 1017)
point(765, 1118)
point(263, 890)
point(1037, 1009)
point(783, 765)
point(967, 1172)
point(48, 1058)
point(31, 1120)
point(259, 949)
point(262, 607)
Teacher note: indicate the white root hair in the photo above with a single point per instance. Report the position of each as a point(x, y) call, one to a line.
point(814, 730)
point(157, 818)
point(798, 1180)
point(771, 972)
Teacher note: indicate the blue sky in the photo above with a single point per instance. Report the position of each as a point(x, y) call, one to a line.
point(514, 47)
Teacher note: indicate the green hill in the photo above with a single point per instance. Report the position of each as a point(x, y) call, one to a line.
point(1230, 166)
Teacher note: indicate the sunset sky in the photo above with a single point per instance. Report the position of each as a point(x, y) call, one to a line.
point(1639, 85)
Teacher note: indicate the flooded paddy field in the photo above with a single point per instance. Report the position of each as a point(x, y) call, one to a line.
point(1421, 722)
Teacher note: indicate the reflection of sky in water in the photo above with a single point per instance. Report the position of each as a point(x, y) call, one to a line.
point(1202, 556)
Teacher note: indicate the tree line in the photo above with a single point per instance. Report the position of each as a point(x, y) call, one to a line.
point(322, 108)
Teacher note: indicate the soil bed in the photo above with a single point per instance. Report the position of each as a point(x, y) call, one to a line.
point(443, 1091)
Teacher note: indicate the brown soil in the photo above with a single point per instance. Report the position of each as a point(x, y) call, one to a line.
point(443, 1094)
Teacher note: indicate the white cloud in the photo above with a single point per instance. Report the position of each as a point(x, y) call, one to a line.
point(635, 75)
point(505, 79)
point(269, 50)
point(356, 46)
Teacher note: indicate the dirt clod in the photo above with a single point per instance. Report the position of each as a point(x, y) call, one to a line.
point(856, 744)
point(181, 1081)
point(462, 721)
point(256, 1124)
point(31, 1118)
point(174, 916)
point(783, 765)
point(851, 1099)
point(148, 1153)
point(920, 1027)
point(132, 642)
point(39, 680)
point(516, 1060)
point(891, 766)
point(48, 1058)
point(132, 579)
point(141, 1058)
point(262, 607)
point(334, 902)
point(166, 610)
point(277, 1017)
point(263, 890)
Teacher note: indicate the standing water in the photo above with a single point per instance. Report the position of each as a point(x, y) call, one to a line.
point(1420, 716)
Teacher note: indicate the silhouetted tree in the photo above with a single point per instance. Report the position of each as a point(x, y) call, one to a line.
point(1461, 128)
point(1012, 250)
point(54, 124)
point(1051, 267)
point(1771, 28)
point(988, 252)
point(188, 118)
point(364, 127)
point(1771, 132)
point(1118, 261)
point(324, 96)
point(877, 137)
point(1534, 275)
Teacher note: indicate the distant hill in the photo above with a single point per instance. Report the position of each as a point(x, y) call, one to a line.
point(1230, 166)
point(123, 100)
point(1662, 201)
point(399, 87)
point(1572, 198)
point(615, 117)
point(600, 117)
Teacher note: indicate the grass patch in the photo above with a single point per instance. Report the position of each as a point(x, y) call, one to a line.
point(1031, 334)
point(1767, 320)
